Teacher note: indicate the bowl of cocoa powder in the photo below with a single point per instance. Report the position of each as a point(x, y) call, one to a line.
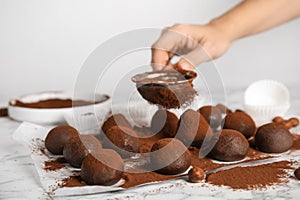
point(169, 89)
point(50, 107)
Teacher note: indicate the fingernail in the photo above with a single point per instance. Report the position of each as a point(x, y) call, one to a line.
point(185, 65)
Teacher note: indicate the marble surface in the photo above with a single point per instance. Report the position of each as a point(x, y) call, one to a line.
point(19, 179)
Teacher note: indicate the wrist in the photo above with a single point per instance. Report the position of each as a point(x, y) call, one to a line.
point(225, 27)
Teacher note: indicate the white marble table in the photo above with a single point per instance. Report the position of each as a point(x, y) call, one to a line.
point(19, 179)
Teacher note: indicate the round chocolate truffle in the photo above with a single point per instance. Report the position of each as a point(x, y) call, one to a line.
point(58, 137)
point(79, 147)
point(193, 128)
point(241, 122)
point(297, 173)
point(123, 140)
point(165, 122)
point(224, 109)
point(196, 175)
point(102, 168)
point(115, 120)
point(170, 156)
point(273, 138)
point(212, 114)
point(231, 146)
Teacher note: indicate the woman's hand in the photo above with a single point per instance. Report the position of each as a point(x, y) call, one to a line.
point(195, 43)
point(200, 43)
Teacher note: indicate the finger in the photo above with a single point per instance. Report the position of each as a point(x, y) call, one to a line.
point(184, 64)
point(169, 67)
point(193, 59)
point(165, 47)
point(160, 59)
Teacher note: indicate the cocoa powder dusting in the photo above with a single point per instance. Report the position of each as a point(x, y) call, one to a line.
point(253, 177)
point(54, 165)
point(134, 179)
point(147, 142)
point(205, 163)
point(72, 181)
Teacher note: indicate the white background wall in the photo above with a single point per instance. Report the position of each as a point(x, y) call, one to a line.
point(44, 43)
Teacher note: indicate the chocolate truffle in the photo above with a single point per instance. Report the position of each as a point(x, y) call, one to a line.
point(170, 156)
point(165, 122)
point(196, 175)
point(193, 128)
point(58, 137)
point(212, 114)
point(123, 140)
point(79, 147)
point(273, 138)
point(241, 122)
point(297, 173)
point(117, 119)
point(102, 168)
point(231, 146)
point(223, 109)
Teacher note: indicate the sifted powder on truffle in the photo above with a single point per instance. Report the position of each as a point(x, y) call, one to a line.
point(252, 177)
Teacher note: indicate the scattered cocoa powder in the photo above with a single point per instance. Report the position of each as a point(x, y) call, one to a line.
point(134, 179)
point(253, 177)
point(3, 112)
point(55, 103)
point(147, 138)
point(53, 165)
point(72, 181)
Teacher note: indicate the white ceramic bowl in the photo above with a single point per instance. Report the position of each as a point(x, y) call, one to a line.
point(51, 116)
point(266, 99)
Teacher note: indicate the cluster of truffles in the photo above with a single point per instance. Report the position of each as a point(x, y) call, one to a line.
point(226, 134)
point(168, 155)
point(98, 165)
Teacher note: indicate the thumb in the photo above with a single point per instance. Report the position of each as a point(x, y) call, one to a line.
point(191, 60)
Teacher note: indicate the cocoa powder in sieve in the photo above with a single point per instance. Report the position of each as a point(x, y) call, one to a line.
point(167, 96)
